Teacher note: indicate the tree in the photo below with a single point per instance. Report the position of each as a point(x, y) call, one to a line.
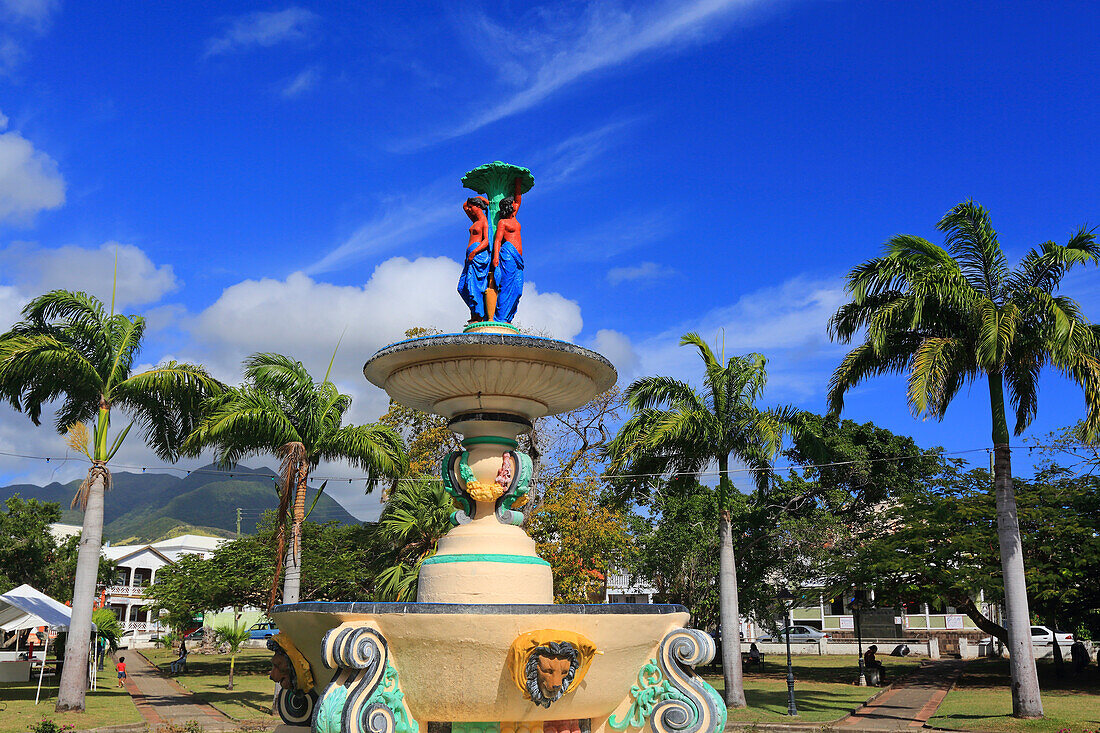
point(234, 636)
point(107, 627)
point(30, 554)
point(948, 316)
point(68, 347)
point(338, 562)
point(679, 552)
point(940, 545)
point(280, 409)
point(581, 539)
point(415, 517)
point(675, 430)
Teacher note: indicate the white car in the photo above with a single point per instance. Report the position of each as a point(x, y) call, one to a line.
point(1041, 635)
point(798, 633)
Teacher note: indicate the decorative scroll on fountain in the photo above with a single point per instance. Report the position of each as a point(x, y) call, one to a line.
point(485, 598)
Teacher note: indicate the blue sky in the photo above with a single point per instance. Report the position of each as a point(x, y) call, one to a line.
point(271, 174)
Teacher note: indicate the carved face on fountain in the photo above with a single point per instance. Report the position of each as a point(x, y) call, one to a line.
point(282, 669)
point(550, 670)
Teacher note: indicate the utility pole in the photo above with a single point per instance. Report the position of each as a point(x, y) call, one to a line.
point(238, 522)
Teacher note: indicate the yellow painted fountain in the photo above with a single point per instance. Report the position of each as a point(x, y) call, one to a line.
point(484, 649)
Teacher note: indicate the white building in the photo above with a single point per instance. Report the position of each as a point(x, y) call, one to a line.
point(136, 570)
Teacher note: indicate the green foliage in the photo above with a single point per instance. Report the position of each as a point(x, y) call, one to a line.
point(852, 466)
point(281, 410)
point(107, 627)
point(948, 316)
point(232, 636)
point(30, 554)
point(678, 553)
point(339, 563)
point(581, 539)
point(414, 519)
point(938, 544)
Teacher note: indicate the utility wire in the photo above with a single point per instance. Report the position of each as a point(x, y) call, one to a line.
point(249, 474)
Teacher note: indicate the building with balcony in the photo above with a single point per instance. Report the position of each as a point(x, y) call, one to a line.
point(136, 570)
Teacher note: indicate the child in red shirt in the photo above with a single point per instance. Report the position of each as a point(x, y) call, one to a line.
point(121, 669)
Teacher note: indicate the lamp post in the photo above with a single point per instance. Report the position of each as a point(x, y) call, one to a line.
point(789, 599)
point(857, 605)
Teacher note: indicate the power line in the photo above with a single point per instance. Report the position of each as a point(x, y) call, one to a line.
point(230, 473)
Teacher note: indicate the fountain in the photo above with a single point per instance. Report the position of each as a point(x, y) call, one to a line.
point(485, 649)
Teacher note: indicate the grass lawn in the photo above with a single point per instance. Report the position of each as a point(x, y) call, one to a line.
point(981, 700)
point(108, 705)
point(824, 687)
point(208, 674)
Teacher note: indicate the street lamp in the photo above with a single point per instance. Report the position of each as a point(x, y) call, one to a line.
point(857, 605)
point(790, 598)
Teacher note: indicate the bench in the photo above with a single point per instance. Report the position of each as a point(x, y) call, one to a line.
point(747, 660)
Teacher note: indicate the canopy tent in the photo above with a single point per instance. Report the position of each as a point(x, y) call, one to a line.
point(27, 608)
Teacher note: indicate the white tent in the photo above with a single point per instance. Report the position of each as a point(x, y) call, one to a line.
point(27, 608)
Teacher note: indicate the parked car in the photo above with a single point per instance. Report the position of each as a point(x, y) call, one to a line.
point(1043, 635)
point(798, 633)
point(196, 635)
point(262, 630)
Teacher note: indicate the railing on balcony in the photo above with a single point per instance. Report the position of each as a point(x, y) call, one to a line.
point(135, 591)
point(141, 627)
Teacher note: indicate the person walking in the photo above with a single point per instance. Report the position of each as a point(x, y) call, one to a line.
point(120, 667)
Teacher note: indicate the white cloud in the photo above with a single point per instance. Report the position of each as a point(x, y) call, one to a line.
point(561, 51)
point(641, 271)
point(29, 179)
point(35, 270)
point(263, 30)
point(786, 323)
point(304, 318)
point(618, 350)
point(301, 83)
point(35, 13)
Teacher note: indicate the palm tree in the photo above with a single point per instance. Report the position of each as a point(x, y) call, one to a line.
point(280, 409)
point(676, 430)
point(948, 316)
point(233, 636)
point(68, 347)
point(416, 516)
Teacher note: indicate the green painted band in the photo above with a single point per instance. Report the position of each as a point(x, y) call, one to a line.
point(487, 557)
point(482, 324)
point(490, 439)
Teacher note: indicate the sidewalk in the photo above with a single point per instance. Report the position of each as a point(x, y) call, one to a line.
point(909, 703)
point(161, 700)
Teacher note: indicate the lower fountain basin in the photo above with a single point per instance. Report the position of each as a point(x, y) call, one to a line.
point(452, 658)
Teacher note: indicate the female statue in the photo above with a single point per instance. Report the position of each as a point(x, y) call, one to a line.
point(473, 286)
point(508, 259)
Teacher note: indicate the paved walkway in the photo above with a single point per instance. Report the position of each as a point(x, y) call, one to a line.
point(909, 703)
point(161, 700)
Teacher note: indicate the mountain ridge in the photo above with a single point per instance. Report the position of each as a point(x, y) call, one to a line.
point(147, 506)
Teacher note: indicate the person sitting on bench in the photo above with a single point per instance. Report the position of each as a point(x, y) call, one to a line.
point(753, 655)
point(870, 662)
point(180, 664)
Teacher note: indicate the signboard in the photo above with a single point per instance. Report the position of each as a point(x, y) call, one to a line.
point(954, 621)
point(846, 622)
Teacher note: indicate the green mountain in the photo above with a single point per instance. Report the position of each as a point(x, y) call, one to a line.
point(153, 506)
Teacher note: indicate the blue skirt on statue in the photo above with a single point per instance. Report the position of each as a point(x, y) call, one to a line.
point(508, 276)
point(474, 281)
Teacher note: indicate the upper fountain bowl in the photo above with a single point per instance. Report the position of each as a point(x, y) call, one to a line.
point(464, 374)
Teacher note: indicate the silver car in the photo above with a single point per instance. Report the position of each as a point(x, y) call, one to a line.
point(798, 633)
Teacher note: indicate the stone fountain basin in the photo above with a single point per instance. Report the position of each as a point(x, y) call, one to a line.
point(452, 658)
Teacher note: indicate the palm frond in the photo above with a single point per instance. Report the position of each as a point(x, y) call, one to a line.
point(376, 449)
point(972, 241)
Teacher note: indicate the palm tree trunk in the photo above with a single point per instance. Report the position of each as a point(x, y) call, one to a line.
point(1026, 700)
point(232, 659)
point(292, 582)
point(74, 674)
point(729, 615)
